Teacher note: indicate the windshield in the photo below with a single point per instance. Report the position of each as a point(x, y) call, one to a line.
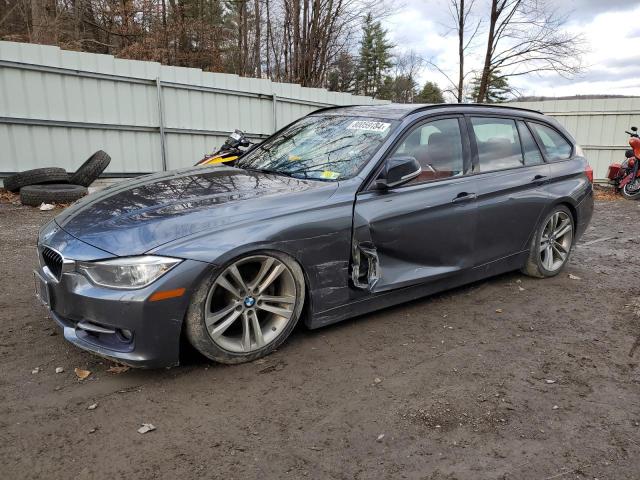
point(326, 148)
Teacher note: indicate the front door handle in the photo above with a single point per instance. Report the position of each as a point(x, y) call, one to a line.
point(464, 197)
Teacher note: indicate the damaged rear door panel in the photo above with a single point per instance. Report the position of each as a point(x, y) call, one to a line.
point(413, 234)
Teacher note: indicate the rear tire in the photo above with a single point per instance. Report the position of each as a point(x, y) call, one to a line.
point(90, 170)
point(246, 309)
point(551, 245)
point(37, 176)
point(34, 195)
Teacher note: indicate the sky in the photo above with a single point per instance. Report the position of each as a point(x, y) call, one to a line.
point(611, 29)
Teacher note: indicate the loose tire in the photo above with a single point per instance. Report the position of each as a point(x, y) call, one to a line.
point(34, 195)
point(551, 245)
point(37, 176)
point(246, 309)
point(90, 170)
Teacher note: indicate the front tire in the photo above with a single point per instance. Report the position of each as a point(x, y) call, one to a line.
point(246, 309)
point(551, 245)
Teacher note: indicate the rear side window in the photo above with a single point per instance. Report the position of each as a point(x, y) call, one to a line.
point(498, 143)
point(555, 145)
point(532, 155)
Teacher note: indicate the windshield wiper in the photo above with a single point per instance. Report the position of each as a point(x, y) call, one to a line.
point(266, 170)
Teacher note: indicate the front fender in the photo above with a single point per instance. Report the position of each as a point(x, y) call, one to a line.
point(318, 239)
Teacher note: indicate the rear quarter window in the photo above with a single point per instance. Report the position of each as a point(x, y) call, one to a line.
point(555, 146)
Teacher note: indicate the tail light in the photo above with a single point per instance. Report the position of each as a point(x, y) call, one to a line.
point(588, 170)
point(614, 171)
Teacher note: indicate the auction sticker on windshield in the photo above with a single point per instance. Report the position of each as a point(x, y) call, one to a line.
point(328, 174)
point(368, 126)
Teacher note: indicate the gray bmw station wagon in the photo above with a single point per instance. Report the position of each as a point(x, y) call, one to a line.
point(343, 212)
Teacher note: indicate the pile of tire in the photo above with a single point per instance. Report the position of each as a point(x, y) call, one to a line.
point(55, 185)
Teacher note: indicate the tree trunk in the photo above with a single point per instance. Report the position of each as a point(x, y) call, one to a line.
point(267, 37)
point(295, 70)
point(43, 28)
point(245, 39)
point(486, 70)
point(460, 50)
point(256, 45)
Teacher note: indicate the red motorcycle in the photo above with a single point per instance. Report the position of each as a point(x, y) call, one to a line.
point(624, 176)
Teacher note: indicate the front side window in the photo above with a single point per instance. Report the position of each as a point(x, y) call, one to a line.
point(317, 147)
point(498, 143)
point(437, 146)
point(554, 144)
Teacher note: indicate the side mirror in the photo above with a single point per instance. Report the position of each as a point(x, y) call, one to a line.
point(398, 170)
point(634, 129)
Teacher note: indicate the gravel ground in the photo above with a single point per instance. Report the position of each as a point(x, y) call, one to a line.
point(510, 378)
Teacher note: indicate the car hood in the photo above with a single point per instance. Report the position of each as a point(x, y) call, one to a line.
point(135, 216)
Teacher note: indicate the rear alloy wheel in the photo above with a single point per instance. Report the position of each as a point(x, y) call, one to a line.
point(551, 245)
point(248, 309)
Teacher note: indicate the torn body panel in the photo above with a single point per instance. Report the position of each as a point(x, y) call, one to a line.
point(365, 268)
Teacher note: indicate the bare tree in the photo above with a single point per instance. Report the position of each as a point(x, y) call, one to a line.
point(43, 15)
point(286, 40)
point(527, 36)
point(466, 28)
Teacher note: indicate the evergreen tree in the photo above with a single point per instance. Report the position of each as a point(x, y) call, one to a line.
point(498, 89)
point(375, 57)
point(399, 89)
point(430, 93)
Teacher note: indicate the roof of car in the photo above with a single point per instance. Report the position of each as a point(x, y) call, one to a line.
point(397, 111)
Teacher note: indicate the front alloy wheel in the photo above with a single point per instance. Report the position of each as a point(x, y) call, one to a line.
point(247, 309)
point(551, 245)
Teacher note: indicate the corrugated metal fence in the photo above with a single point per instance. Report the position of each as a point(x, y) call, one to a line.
point(597, 124)
point(57, 107)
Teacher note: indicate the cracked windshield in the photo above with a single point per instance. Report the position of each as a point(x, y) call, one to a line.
point(326, 148)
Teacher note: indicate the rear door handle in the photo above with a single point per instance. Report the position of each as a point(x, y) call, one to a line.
point(464, 197)
point(539, 178)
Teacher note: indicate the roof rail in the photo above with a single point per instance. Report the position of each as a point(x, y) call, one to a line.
point(484, 105)
point(335, 107)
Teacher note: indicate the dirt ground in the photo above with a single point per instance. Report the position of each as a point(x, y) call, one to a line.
point(510, 378)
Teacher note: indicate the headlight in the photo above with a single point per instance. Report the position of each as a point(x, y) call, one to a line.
point(128, 272)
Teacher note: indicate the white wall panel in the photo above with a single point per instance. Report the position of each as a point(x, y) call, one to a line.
point(57, 107)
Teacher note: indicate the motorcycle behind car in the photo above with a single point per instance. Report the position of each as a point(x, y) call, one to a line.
point(624, 176)
point(234, 146)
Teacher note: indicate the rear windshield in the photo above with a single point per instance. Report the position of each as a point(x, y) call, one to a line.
point(317, 147)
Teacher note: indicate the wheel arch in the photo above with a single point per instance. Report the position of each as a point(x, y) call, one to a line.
point(249, 250)
point(204, 282)
point(568, 203)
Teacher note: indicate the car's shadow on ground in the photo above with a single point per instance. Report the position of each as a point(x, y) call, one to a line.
point(191, 359)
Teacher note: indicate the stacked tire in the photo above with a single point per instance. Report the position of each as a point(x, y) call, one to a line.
point(55, 185)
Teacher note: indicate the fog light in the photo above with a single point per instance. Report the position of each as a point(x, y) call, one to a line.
point(126, 334)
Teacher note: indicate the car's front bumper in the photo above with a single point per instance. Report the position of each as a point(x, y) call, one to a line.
point(123, 325)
